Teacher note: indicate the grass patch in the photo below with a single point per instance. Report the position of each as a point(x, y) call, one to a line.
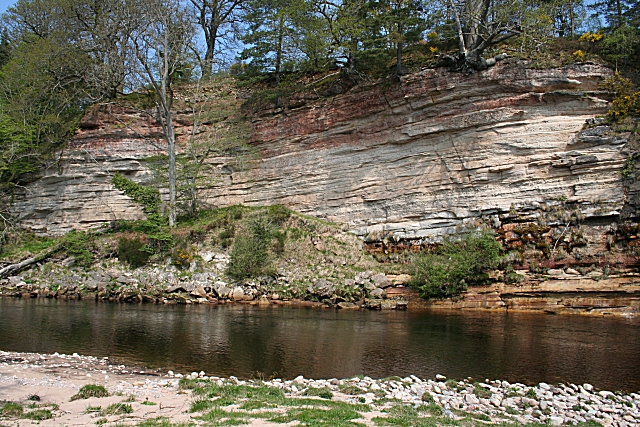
point(90, 390)
point(161, 422)
point(38, 415)
point(339, 416)
point(408, 416)
point(11, 409)
point(251, 405)
point(201, 405)
point(351, 390)
point(220, 417)
point(93, 409)
point(117, 409)
point(481, 392)
point(148, 403)
point(323, 392)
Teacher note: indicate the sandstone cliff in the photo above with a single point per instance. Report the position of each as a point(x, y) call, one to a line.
point(411, 160)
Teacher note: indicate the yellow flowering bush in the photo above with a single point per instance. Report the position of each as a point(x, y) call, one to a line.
point(592, 37)
point(578, 55)
point(626, 100)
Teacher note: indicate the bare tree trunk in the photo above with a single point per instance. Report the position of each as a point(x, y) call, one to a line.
point(399, 69)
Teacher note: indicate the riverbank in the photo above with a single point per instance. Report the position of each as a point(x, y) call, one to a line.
point(559, 291)
point(42, 386)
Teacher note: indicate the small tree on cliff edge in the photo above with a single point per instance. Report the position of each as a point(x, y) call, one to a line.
point(480, 24)
point(160, 35)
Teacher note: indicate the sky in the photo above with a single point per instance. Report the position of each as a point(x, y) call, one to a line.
point(4, 4)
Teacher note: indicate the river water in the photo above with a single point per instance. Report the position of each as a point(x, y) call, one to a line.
point(275, 341)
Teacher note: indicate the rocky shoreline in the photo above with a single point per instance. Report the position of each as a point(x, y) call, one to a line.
point(166, 286)
point(559, 291)
point(180, 398)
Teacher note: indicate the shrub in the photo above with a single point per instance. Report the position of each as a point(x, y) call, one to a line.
point(626, 101)
point(134, 251)
point(278, 214)
point(250, 255)
point(447, 271)
point(77, 245)
point(182, 256)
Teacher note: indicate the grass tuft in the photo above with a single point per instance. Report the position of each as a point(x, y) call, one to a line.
point(90, 390)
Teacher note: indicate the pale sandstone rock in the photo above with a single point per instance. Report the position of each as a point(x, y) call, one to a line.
point(414, 161)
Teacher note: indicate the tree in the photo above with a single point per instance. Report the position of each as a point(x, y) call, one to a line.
point(159, 41)
point(402, 22)
point(220, 21)
point(217, 130)
point(40, 103)
point(567, 15)
point(93, 28)
point(480, 24)
point(346, 24)
point(272, 34)
point(5, 47)
point(616, 13)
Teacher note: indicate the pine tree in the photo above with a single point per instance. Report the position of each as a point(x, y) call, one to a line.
point(5, 47)
point(272, 35)
point(616, 13)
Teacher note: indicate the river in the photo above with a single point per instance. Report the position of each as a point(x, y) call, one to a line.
point(275, 341)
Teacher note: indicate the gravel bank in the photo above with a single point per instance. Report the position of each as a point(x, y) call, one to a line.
point(155, 395)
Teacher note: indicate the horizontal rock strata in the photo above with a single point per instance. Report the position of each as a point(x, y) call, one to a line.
point(413, 160)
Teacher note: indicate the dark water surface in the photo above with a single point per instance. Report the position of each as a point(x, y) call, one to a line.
point(250, 341)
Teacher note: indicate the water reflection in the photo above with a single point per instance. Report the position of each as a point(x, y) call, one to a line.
point(275, 341)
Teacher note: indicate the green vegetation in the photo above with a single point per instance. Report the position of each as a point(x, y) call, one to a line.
point(455, 264)
point(481, 392)
point(626, 101)
point(40, 412)
point(323, 393)
point(134, 251)
point(148, 198)
point(90, 390)
point(38, 415)
point(250, 252)
point(11, 409)
point(117, 409)
point(407, 416)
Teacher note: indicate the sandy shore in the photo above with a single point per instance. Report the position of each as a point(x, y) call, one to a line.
point(46, 383)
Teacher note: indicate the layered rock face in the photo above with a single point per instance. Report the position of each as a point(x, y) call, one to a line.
point(412, 160)
point(76, 192)
point(439, 151)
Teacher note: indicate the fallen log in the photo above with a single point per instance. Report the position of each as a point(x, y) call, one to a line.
point(15, 268)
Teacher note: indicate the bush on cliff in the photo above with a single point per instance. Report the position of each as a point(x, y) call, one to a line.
point(250, 252)
point(134, 251)
point(457, 262)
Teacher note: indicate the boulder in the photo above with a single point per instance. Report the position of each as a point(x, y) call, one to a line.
point(348, 305)
point(237, 294)
point(381, 280)
point(378, 293)
point(199, 292)
point(322, 288)
point(388, 304)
